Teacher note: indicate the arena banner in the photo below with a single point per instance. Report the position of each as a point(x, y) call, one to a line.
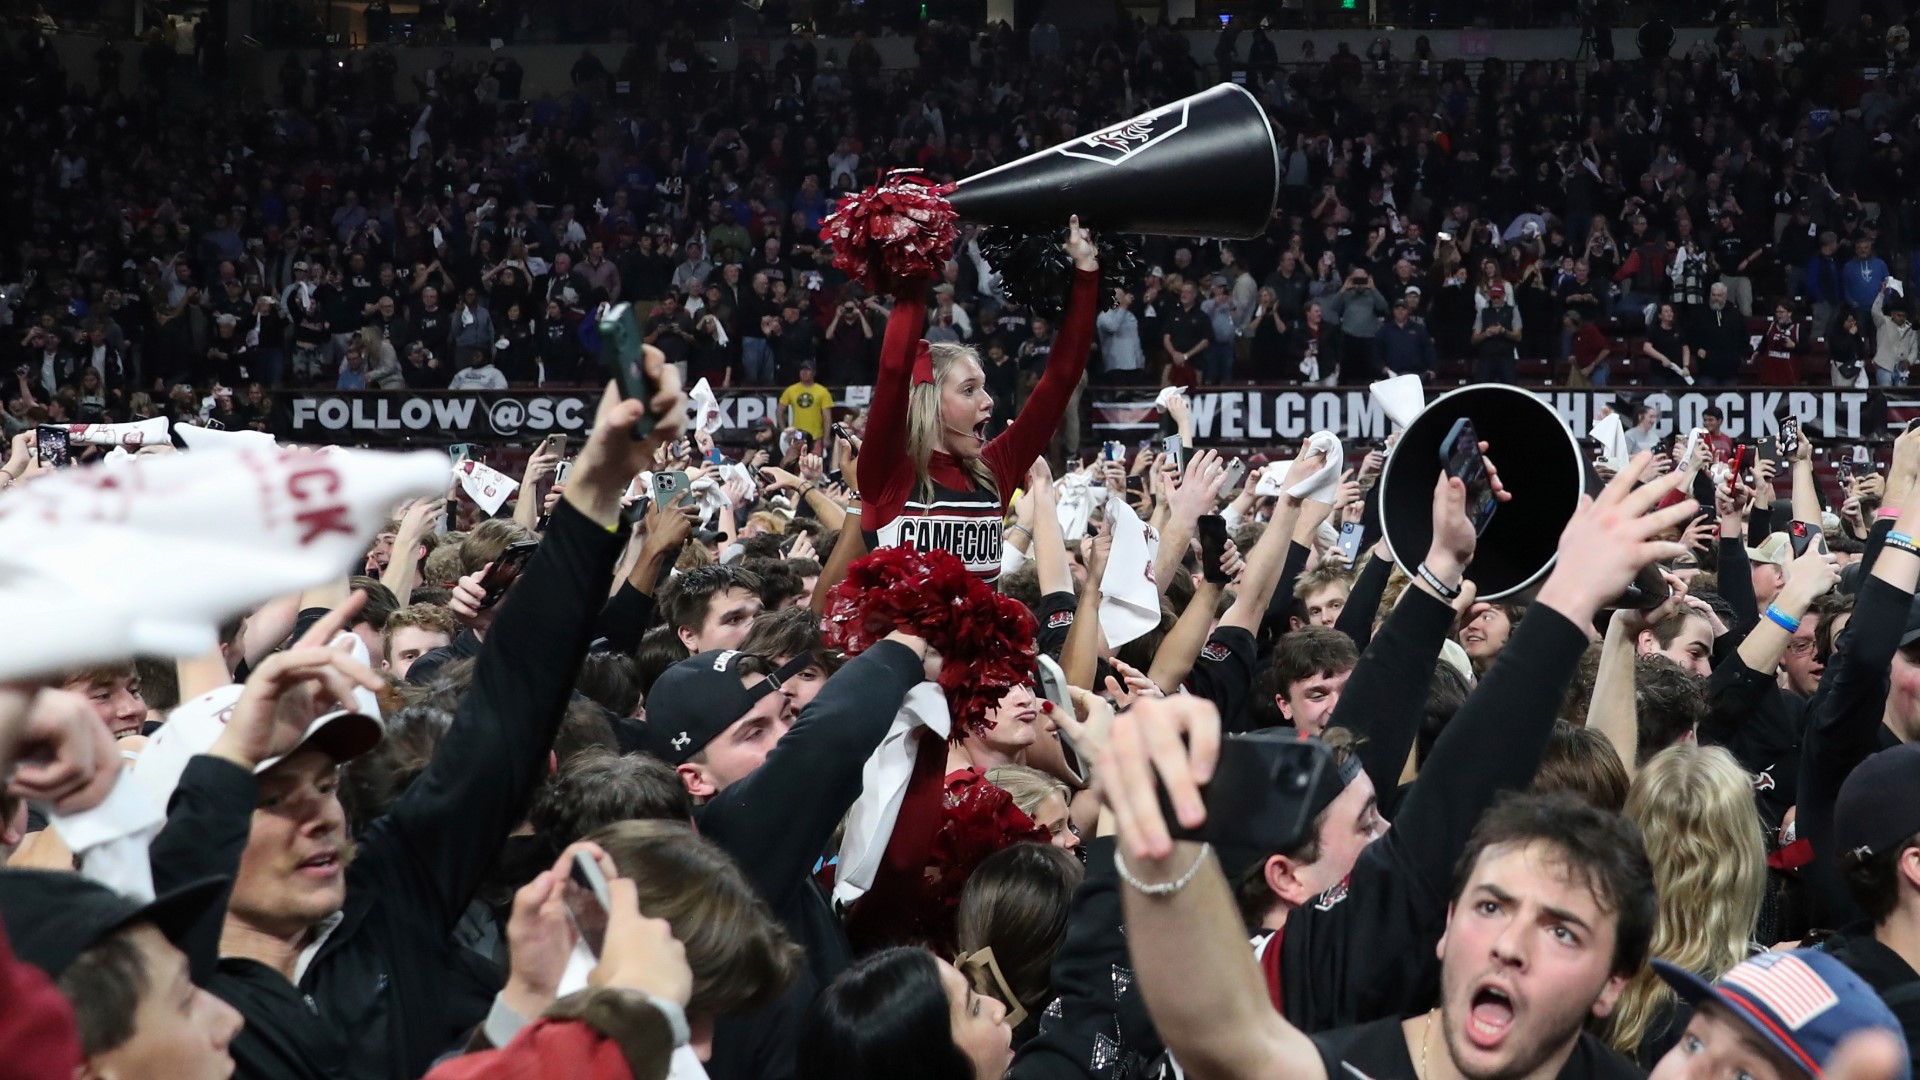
point(1239, 416)
point(1265, 416)
point(481, 416)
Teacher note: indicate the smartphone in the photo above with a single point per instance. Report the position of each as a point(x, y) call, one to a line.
point(1739, 464)
point(1263, 785)
point(587, 898)
point(562, 471)
point(556, 444)
point(669, 486)
point(1768, 449)
point(1236, 469)
point(463, 451)
point(1349, 545)
point(1789, 437)
point(1113, 450)
point(843, 432)
point(1802, 535)
point(1213, 548)
point(1460, 457)
point(54, 446)
point(506, 570)
point(1843, 472)
point(1175, 452)
point(622, 351)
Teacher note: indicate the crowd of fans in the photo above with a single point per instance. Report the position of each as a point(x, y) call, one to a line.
point(181, 239)
point(887, 747)
point(1577, 842)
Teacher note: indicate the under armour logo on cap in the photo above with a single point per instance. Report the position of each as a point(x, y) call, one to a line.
point(681, 740)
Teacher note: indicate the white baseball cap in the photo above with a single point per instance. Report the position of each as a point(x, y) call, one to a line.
point(194, 726)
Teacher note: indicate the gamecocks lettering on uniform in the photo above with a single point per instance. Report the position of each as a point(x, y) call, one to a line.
point(971, 532)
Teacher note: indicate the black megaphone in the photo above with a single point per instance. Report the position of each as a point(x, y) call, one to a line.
point(1205, 165)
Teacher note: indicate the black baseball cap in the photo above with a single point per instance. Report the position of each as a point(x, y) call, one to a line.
point(695, 700)
point(1879, 804)
point(53, 916)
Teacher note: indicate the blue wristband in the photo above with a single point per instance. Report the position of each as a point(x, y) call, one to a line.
point(1781, 619)
point(1900, 541)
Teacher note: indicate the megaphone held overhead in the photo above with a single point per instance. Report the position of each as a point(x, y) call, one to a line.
point(1205, 165)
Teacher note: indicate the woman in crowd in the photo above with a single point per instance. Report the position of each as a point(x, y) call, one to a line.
point(1694, 806)
point(929, 476)
point(1012, 917)
point(1266, 334)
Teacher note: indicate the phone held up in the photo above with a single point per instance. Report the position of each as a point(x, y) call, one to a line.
point(1213, 548)
point(1460, 456)
point(506, 570)
point(1262, 792)
point(52, 445)
point(621, 350)
point(587, 899)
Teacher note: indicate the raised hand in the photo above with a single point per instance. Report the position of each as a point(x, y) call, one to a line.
point(293, 688)
point(1610, 538)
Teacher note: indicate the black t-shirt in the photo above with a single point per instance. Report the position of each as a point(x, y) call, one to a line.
point(1378, 1051)
point(1054, 617)
point(1224, 673)
point(1188, 327)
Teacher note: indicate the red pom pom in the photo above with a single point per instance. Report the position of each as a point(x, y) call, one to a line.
point(904, 228)
point(985, 640)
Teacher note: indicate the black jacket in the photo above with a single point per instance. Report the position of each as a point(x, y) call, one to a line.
point(387, 990)
point(778, 820)
point(1366, 950)
point(1845, 728)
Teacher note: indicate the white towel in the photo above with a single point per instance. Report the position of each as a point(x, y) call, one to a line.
point(704, 407)
point(1073, 504)
point(1612, 436)
point(1322, 486)
point(1129, 595)
point(883, 787)
point(1167, 393)
point(1273, 480)
point(1402, 398)
point(273, 522)
point(484, 484)
point(151, 432)
point(204, 438)
point(111, 840)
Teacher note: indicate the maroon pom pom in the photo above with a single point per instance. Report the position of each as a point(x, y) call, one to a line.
point(904, 228)
point(985, 640)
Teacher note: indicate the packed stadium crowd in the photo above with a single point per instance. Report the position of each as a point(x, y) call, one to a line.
point(1727, 215)
point(904, 741)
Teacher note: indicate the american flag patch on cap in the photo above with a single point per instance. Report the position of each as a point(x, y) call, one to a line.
point(1785, 985)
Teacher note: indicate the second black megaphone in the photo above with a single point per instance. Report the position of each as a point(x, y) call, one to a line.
point(1540, 464)
point(1206, 165)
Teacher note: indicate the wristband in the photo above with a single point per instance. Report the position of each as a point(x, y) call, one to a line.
point(1164, 888)
point(1783, 620)
point(1900, 541)
point(1019, 528)
point(1447, 592)
point(1889, 513)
